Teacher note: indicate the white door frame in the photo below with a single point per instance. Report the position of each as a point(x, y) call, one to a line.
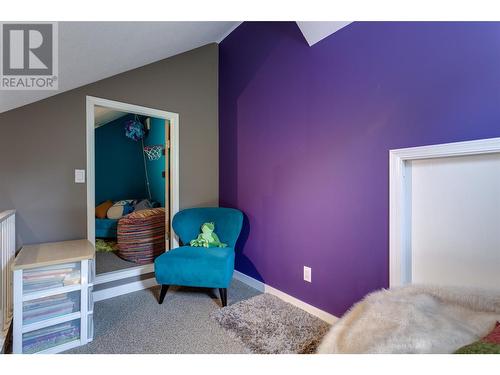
point(400, 197)
point(171, 118)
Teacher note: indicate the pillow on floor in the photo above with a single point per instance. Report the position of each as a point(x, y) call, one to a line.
point(487, 345)
point(102, 209)
point(119, 209)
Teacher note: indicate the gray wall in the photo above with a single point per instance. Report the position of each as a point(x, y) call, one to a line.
point(42, 143)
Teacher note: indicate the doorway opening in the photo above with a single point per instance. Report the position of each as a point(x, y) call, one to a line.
point(440, 226)
point(132, 191)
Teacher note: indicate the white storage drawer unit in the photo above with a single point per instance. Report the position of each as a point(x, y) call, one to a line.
point(53, 305)
point(40, 309)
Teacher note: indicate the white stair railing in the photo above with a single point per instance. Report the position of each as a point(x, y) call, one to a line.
point(7, 255)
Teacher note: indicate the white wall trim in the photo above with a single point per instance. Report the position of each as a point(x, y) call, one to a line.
point(264, 288)
point(250, 281)
point(103, 294)
point(123, 274)
point(400, 195)
point(171, 117)
point(115, 291)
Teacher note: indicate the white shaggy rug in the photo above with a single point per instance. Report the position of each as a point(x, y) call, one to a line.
point(414, 319)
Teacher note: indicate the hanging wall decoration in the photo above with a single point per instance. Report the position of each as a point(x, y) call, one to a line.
point(134, 129)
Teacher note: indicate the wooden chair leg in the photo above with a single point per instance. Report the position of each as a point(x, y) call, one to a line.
point(223, 296)
point(163, 292)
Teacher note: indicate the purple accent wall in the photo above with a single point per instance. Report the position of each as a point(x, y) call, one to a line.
point(305, 134)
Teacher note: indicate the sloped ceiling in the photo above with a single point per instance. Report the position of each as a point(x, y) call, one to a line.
point(91, 51)
point(314, 31)
point(104, 115)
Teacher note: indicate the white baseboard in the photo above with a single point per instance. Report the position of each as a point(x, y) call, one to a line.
point(250, 281)
point(135, 286)
point(123, 274)
point(115, 291)
point(264, 288)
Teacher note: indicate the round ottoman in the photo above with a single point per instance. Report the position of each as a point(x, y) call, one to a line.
point(141, 235)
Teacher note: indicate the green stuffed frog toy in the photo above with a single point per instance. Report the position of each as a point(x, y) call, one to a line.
point(207, 237)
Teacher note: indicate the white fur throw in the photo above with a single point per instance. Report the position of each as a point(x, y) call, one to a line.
point(414, 319)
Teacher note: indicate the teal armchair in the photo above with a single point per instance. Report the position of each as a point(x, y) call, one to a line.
point(198, 266)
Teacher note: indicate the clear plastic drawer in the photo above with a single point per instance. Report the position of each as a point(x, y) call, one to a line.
point(50, 307)
point(48, 337)
point(90, 327)
point(91, 276)
point(90, 306)
point(51, 277)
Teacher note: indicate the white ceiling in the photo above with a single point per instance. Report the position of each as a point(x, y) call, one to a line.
point(91, 51)
point(314, 31)
point(103, 115)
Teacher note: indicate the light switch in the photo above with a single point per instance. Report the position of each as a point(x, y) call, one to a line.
point(79, 176)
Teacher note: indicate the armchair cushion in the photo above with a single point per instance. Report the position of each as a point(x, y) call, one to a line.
point(196, 267)
point(228, 223)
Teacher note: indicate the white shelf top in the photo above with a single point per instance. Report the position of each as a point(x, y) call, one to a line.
point(46, 254)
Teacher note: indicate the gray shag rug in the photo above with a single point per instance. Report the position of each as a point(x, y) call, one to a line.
point(266, 324)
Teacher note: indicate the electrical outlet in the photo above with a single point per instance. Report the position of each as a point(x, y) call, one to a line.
point(307, 274)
